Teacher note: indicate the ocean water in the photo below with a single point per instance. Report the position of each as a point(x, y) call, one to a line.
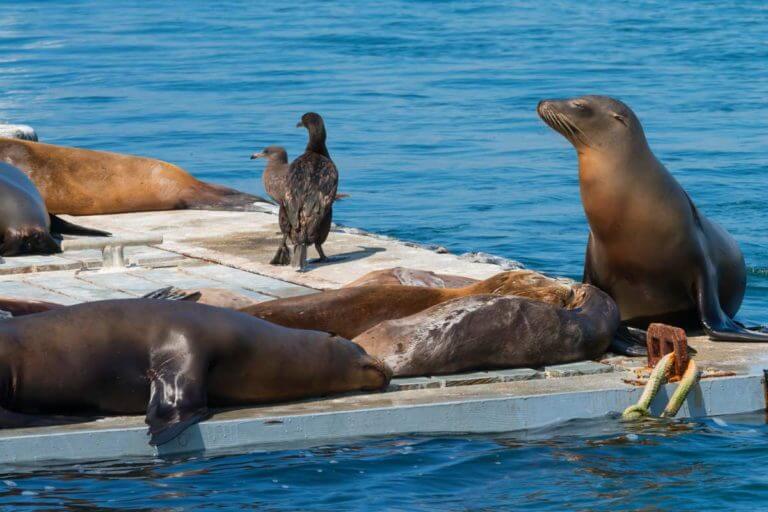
point(430, 109)
point(714, 464)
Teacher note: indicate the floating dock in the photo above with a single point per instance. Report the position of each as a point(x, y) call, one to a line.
point(230, 250)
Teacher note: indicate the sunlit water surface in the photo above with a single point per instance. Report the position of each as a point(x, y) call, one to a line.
point(715, 464)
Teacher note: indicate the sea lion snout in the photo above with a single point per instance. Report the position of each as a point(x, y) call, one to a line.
point(376, 374)
point(258, 155)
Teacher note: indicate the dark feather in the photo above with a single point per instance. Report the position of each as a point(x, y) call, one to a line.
point(312, 182)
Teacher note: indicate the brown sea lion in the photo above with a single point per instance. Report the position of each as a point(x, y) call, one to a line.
point(26, 227)
point(351, 311)
point(84, 182)
point(311, 189)
point(649, 247)
point(485, 332)
point(171, 359)
point(411, 277)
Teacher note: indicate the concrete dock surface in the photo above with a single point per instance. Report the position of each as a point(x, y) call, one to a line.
point(231, 250)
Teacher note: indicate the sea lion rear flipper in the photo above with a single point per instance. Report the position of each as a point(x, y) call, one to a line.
point(62, 227)
point(717, 324)
point(629, 342)
point(178, 396)
point(172, 293)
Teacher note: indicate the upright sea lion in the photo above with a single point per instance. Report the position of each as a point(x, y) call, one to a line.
point(26, 227)
point(351, 311)
point(171, 359)
point(649, 247)
point(411, 277)
point(484, 332)
point(312, 183)
point(85, 182)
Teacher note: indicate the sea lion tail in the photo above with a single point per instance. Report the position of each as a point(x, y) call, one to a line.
point(62, 227)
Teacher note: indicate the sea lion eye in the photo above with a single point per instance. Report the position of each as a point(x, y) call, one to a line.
point(580, 106)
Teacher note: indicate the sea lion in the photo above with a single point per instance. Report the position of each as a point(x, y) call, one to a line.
point(311, 189)
point(649, 247)
point(349, 312)
point(79, 181)
point(411, 277)
point(485, 332)
point(26, 227)
point(171, 359)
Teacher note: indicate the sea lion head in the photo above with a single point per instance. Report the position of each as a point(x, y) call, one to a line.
point(273, 154)
point(365, 371)
point(593, 122)
point(28, 241)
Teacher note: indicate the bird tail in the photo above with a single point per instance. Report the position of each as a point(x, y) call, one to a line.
point(299, 259)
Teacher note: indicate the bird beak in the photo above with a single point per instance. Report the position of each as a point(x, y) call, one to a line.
point(299, 124)
point(257, 155)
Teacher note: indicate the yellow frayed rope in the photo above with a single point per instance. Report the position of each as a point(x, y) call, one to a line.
point(657, 378)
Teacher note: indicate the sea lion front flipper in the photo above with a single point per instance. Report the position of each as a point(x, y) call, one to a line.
point(629, 341)
point(62, 227)
point(718, 325)
point(172, 293)
point(178, 396)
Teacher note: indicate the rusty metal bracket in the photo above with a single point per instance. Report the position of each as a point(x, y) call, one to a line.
point(663, 339)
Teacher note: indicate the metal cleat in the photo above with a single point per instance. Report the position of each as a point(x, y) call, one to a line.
point(663, 339)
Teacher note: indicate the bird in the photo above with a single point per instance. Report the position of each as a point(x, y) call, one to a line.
point(275, 179)
point(311, 189)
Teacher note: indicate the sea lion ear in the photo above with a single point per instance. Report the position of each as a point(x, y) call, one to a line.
point(622, 119)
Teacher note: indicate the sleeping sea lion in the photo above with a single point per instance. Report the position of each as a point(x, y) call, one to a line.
point(351, 311)
point(171, 359)
point(411, 277)
point(486, 332)
point(26, 227)
point(649, 247)
point(79, 181)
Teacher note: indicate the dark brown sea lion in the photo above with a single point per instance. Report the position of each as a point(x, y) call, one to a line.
point(351, 311)
point(26, 227)
point(85, 182)
point(311, 189)
point(485, 332)
point(171, 359)
point(649, 247)
point(411, 277)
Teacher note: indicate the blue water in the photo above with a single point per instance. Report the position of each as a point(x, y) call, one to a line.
point(716, 464)
point(430, 108)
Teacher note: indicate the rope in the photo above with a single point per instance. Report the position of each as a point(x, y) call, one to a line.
point(657, 378)
point(690, 377)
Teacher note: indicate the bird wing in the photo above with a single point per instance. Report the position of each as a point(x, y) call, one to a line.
point(311, 190)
